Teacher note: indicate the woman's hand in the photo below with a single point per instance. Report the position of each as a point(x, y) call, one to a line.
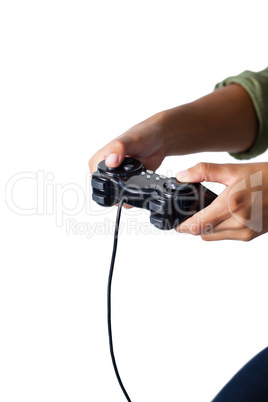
point(240, 212)
point(224, 120)
point(144, 141)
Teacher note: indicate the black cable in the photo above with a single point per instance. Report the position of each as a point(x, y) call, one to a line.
point(109, 298)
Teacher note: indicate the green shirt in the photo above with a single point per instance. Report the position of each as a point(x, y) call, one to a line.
point(256, 84)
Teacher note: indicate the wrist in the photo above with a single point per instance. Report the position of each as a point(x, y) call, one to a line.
point(224, 120)
point(182, 130)
point(158, 122)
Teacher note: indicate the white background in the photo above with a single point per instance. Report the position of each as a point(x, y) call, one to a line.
point(187, 314)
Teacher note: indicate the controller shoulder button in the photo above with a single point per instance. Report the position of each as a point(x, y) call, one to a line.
point(158, 206)
point(100, 199)
point(98, 183)
point(160, 222)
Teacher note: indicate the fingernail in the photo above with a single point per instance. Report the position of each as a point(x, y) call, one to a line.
point(112, 159)
point(183, 175)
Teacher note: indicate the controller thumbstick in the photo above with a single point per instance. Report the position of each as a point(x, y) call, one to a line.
point(128, 167)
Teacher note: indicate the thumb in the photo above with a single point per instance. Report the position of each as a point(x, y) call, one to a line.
point(207, 172)
point(116, 153)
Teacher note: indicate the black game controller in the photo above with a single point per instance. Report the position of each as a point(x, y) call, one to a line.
point(169, 201)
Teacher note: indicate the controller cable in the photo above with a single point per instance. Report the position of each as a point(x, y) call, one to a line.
point(109, 288)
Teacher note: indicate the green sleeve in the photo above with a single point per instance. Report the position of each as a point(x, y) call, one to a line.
point(256, 84)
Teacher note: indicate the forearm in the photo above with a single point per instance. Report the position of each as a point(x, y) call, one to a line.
point(224, 120)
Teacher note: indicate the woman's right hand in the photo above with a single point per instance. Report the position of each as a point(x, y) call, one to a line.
point(144, 141)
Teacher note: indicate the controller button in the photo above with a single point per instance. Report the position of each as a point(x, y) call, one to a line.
point(148, 176)
point(128, 167)
point(100, 199)
point(149, 171)
point(162, 176)
point(159, 222)
point(157, 178)
point(98, 183)
point(158, 206)
point(143, 173)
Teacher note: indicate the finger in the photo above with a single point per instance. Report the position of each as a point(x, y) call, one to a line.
point(205, 220)
point(230, 234)
point(230, 229)
point(229, 224)
point(116, 152)
point(125, 206)
point(208, 172)
point(113, 153)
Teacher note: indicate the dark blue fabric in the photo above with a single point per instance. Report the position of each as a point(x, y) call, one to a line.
point(250, 384)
